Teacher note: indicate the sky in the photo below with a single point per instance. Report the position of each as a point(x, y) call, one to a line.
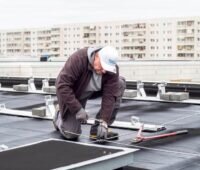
point(41, 13)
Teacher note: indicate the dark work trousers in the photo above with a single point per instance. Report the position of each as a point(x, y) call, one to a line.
point(122, 87)
point(70, 128)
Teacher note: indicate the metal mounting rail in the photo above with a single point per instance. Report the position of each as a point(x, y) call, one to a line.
point(33, 92)
point(116, 124)
point(147, 98)
point(155, 99)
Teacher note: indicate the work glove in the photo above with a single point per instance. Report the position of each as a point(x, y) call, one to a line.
point(102, 130)
point(82, 116)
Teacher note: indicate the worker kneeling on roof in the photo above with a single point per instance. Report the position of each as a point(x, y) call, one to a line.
point(88, 71)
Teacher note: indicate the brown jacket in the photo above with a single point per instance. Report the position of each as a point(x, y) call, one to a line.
point(74, 78)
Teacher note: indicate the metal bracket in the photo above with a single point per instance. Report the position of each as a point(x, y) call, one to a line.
point(140, 89)
point(50, 107)
point(31, 85)
point(135, 121)
point(161, 89)
point(45, 83)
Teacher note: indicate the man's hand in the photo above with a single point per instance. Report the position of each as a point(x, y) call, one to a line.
point(102, 130)
point(82, 116)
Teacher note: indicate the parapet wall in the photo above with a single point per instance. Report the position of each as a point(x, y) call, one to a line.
point(188, 71)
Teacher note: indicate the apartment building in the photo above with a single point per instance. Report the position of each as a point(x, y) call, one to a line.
point(33, 42)
point(155, 39)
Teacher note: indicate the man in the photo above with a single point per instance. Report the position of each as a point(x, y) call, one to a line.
point(88, 71)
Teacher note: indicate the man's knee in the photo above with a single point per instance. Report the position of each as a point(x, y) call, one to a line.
point(69, 135)
point(69, 128)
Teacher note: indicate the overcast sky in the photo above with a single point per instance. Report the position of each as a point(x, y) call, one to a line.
point(39, 13)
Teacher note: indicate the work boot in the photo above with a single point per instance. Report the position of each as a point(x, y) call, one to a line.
point(110, 135)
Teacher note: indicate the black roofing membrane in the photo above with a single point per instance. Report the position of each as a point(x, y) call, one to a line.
point(49, 155)
point(16, 131)
point(16, 100)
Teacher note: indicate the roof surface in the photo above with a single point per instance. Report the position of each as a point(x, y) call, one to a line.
point(176, 152)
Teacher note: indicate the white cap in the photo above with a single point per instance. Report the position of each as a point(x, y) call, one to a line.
point(108, 57)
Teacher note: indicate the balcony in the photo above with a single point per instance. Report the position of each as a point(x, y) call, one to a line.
point(89, 29)
point(185, 48)
point(55, 31)
point(134, 26)
point(183, 24)
point(185, 55)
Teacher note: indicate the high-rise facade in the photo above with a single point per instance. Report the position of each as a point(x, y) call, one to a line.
point(156, 39)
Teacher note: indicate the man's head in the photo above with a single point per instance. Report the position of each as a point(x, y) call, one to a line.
point(105, 60)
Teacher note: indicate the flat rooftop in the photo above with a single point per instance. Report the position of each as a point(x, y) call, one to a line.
point(175, 152)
